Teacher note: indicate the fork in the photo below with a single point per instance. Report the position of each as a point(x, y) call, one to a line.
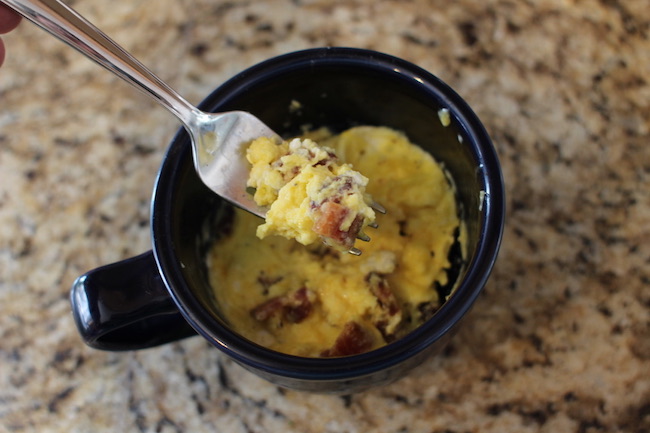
point(218, 139)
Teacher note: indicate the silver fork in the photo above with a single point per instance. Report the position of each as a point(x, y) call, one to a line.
point(218, 139)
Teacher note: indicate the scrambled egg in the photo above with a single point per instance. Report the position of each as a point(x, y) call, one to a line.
point(311, 195)
point(316, 301)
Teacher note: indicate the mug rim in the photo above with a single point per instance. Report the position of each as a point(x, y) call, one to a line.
point(478, 269)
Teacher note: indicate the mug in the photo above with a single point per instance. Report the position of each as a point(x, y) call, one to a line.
point(164, 295)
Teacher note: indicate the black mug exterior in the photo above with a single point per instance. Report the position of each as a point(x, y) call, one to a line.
point(337, 88)
point(126, 306)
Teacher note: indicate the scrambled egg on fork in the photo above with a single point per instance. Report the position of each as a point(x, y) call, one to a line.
point(311, 194)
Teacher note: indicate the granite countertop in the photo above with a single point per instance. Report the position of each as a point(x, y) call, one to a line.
point(558, 342)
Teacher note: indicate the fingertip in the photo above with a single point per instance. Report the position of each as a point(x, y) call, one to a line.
point(9, 19)
point(2, 52)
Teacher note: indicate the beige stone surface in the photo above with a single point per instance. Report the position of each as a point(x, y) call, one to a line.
point(558, 342)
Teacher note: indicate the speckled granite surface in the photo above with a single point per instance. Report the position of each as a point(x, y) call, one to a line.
point(559, 340)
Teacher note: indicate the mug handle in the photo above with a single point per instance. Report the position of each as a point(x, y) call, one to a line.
point(126, 306)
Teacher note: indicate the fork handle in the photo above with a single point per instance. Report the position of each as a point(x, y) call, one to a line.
point(70, 27)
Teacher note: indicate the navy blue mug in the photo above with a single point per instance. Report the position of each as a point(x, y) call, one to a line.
point(164, 294)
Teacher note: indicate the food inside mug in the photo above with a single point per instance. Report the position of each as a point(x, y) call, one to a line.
point(316, 301)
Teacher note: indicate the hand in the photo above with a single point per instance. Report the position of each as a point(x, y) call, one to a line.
point(8, 21)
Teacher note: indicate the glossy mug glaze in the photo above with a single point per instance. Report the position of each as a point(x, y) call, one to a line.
point(164, 295)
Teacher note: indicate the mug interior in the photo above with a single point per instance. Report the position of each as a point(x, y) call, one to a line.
point(336, 88)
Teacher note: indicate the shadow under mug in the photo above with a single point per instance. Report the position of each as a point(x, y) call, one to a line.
point(164, 295)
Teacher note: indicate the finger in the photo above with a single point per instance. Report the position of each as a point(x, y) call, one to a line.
point(9, 19)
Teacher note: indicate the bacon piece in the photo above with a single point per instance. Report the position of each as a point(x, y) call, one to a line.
point(267, 309)
point(299, 305)
point(327, 224)
point(388, 316)
point(352, 340)
point(292, 308)
point(379, 287)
